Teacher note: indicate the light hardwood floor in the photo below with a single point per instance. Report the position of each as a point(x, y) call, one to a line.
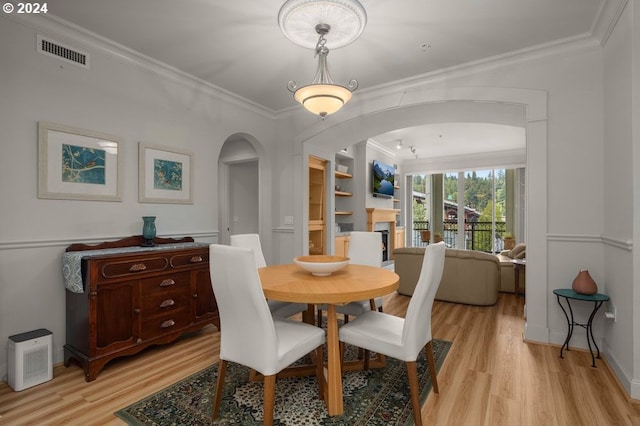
point(490, 377)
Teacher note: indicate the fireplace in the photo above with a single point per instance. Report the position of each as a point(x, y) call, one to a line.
point(376, 218)
point(385, 244)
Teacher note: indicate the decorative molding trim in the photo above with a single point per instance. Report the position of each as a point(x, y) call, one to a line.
point(381, 148)
point(508, 158)
point(574, 238)
point(51, 25)
point(325, 133)
point(621, 244)
point(607, 19)
point(599, 239)
point(535, 334)
point(18, 245)
point(405, 88)
point(626, 381)
point(283, 230)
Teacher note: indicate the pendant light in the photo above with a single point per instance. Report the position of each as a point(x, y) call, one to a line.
point(346, 20)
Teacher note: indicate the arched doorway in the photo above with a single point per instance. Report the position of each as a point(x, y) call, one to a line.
point(526, 108)
point(243, 178)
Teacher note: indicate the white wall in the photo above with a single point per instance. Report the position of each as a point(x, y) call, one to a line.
point(564, 156)
point(121, 95)
point(622, 191)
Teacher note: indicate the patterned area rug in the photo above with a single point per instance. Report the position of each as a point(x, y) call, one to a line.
point(375, 397)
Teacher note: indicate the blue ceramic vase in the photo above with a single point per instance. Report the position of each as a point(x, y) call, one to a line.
point(148, 230)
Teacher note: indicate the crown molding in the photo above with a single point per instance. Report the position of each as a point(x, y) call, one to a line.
point(381, 148)
point(498, 159)
point(59, 29)
point(406, 86)
point(607, 19)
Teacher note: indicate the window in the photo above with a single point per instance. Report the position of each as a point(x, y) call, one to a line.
point(474, 201)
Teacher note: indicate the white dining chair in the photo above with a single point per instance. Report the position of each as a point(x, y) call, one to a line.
point(249, 334)
point(404, 338)
point(278, 308)
point(365, 248)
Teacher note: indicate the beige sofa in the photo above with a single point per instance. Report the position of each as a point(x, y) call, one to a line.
point(469, 277)
point(507, 274)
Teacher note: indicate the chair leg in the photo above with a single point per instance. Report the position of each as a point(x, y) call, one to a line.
point(412, 372)
point(222, 370)
point(432, 366)
point(253, 375)
point(372, 304)
point(319, 318)
point(320, 371)
point(269, 399)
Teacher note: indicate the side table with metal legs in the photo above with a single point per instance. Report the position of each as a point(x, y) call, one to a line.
point(598, 299)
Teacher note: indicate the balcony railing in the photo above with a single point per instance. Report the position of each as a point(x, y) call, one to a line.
point(477, 235)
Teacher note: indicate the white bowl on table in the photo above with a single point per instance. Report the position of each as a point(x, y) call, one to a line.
point(321, 265)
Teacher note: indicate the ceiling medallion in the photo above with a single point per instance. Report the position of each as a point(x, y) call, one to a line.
point(298, 18)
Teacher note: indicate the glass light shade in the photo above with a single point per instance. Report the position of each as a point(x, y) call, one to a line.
point(322, 99)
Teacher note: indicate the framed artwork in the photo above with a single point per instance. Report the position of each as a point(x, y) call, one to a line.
point(78, 164)
point(165, 175)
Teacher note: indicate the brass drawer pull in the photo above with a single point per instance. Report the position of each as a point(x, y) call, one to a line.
point(166, 283)
point(138, 267)
point(196, 259)
point(168, 323)
point(167, 303)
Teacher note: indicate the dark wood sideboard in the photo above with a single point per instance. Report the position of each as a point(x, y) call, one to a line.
point(134, 300)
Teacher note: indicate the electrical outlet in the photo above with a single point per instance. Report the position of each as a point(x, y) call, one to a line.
point(614, 310)
point(612, 313)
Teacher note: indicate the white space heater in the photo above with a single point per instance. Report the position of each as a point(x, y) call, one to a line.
point(30, 359)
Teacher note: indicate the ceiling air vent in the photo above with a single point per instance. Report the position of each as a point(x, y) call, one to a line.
point(57, 50)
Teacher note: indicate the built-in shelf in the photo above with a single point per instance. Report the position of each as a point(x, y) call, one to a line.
point(342, 175)
point(344, 205)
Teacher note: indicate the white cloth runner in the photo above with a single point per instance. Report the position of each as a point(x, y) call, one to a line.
point(72, 261)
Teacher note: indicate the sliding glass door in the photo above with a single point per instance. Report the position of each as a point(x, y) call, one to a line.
point(474, 206)
point(474, 209)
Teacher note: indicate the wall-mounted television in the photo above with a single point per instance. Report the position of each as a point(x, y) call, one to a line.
point(383, 179)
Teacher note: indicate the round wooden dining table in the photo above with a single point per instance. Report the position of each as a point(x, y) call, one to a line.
point(290, 283)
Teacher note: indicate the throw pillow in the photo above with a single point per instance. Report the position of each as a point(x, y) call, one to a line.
point(522, 255)
point(517, 250)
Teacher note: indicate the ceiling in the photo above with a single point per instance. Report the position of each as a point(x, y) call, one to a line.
point(237, 45)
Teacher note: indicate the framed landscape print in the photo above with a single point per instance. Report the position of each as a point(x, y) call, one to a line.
point(165, 175)
point(78, 164)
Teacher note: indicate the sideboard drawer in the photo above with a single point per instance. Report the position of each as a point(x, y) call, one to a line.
point(163, 303)
point(123, 268)
point(162, 324)
point(165, 284)
point(190, 259)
